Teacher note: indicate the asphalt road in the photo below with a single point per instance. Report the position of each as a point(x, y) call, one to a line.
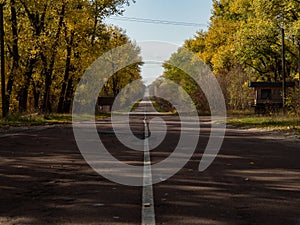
point(255, 179)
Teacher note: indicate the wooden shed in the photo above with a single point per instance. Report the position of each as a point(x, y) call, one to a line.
point(268, 95)
point(104, 104)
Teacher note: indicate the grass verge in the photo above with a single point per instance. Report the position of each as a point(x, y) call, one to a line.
point(18, 120)
point(271, 123)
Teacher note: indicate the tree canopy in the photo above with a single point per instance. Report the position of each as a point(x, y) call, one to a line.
point(243, 43)
point(49, 45)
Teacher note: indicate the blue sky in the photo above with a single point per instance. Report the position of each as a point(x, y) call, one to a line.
point(189, 11)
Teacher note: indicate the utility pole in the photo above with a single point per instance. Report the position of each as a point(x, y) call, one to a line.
point(283, 69)
point(3, 92)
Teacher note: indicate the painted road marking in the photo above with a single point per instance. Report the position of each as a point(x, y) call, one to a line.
point(148, 213)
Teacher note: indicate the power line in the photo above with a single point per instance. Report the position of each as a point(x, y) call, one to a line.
point(155, 21)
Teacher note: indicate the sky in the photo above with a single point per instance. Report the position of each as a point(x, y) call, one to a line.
point(159, 41)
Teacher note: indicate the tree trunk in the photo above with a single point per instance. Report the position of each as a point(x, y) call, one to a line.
point(299, 64)
point(60, 108)
point(36, 95)
point(23, 94)
point(48, 83)
point(69, 96)
point(49, 70)
point(299, 58)
point(15, 51)
point(37, 22)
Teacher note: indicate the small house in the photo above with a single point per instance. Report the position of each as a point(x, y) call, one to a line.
point(104, 104)
point(268, 95)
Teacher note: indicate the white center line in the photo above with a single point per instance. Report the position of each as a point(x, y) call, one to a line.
point(148, 213)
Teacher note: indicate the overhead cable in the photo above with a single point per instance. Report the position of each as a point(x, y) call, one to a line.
point(156, 21)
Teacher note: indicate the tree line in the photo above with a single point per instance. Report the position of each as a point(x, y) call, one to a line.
point(49, 45)
point(244, 43)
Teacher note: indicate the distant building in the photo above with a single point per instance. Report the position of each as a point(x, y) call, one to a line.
point(104, 104)
point(268, 95)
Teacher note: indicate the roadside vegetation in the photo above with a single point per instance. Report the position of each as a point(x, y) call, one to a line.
point(35, 119)
point(49, 49)
point(282, 123)
point(17, 120)
point(162, 105)
point(50, 44)
point(242, 44)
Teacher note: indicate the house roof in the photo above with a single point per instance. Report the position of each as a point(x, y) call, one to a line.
point(270, 84)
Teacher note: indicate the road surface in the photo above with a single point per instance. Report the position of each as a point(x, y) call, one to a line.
point(255, 179)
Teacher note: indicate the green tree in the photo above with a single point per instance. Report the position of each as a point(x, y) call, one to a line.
point(243, 43)
point(49, 45)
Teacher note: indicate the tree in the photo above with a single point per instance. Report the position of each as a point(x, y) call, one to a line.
point(126, 75)
point(243, 43)
point(186, 70)
point(49, 45)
